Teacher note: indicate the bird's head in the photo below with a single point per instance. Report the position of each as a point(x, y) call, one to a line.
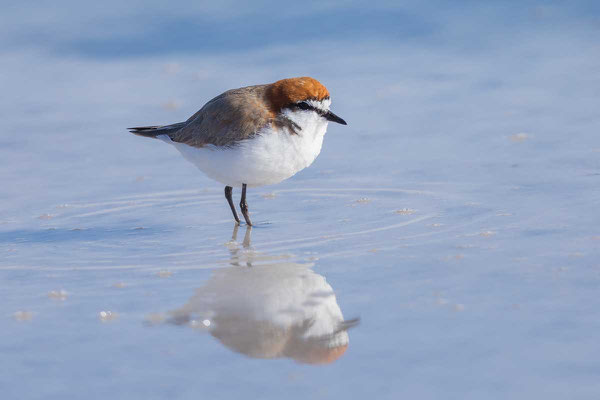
point(302, 97)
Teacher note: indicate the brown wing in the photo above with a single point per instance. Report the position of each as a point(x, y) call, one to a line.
point(230, 117)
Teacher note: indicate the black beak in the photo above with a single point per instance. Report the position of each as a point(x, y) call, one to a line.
point(334, 118)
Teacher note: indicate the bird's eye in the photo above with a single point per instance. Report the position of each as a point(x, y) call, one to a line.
point(304, 106)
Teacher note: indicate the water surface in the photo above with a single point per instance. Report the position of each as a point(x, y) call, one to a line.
point(444, 244)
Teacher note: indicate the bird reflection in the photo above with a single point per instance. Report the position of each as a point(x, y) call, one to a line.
point(265, 307)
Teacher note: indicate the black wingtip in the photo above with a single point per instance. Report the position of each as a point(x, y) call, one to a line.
point(145, 131)
point(144, 128)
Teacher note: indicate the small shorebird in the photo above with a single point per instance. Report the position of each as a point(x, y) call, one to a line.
point(253, 136)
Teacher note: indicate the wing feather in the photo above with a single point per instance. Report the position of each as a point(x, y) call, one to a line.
point(228, 118)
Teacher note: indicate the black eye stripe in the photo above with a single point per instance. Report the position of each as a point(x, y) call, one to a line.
point(304, 106)
point(307, 107)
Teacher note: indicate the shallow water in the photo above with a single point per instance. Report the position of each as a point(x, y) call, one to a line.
point(445, 244)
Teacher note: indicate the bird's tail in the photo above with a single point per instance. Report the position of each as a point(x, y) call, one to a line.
point(154, 131)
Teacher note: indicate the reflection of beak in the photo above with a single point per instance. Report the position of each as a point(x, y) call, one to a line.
point(347, 324)
point(334, 118)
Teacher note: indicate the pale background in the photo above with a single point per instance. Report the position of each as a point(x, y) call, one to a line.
point(456, 214)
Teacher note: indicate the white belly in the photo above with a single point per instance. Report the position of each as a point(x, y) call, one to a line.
point(267, 158)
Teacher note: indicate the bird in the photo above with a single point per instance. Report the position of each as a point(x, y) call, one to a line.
point(254, 135)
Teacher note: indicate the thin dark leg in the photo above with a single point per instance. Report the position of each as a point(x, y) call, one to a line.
point(244, 206)
point(228, 191)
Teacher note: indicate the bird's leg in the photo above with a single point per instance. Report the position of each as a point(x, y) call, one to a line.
point(228, 191)
point(244, 205)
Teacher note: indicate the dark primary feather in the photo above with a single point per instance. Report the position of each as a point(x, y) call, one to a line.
point(154, 131)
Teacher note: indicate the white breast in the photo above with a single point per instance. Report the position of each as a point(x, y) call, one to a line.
point(270, 157)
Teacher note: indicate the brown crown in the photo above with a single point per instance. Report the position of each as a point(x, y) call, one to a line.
point(293, 90)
